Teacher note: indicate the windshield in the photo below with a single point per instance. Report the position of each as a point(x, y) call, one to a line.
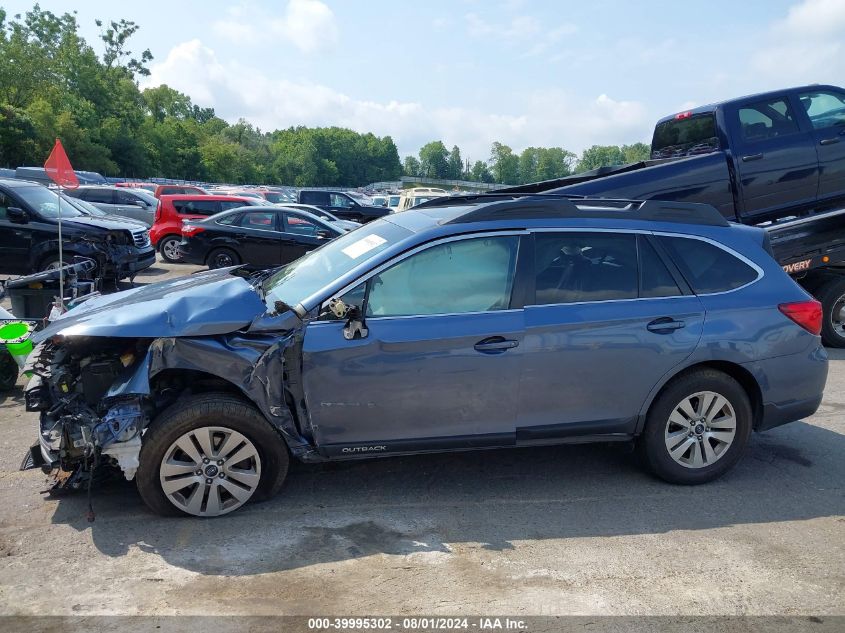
point(86, 207)
point(309, 274)
point(46, 202)
point(685, 136)
point(147, 197)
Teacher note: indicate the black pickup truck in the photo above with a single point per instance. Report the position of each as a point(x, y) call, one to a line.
point(775, 159)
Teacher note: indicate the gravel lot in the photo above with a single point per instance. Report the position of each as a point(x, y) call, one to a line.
point(563, 530)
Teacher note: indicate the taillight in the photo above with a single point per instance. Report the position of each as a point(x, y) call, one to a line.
point(191, 229)
point(158, 212)
point(807, 314)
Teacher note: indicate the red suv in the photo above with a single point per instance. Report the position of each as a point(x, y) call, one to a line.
point(166, 232)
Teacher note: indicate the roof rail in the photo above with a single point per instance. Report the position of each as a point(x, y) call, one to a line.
point(489, 207)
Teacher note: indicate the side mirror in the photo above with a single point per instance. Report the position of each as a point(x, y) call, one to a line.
point(323, 234)
point(355, 327)
point(17, 215)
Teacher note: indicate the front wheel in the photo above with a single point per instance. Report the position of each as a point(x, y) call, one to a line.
point(208, 455)
point(169, 249)
point(832, 297)
point(697, 428)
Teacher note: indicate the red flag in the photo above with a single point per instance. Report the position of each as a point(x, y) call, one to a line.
point(58, 168)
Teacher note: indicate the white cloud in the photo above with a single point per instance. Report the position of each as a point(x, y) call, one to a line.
point(309, 25)
point(521, 30)
point(806, 46)
point(547, 117)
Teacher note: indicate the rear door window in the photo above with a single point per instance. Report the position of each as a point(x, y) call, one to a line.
point(766, 119)
point(655, 278)
point(103, 196)
point(313, 197)
point(573, 267)
point(706, 267)
point(196, 207)
point(264, 220)
point(685, 135)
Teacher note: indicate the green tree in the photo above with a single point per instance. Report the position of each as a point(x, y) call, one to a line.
point(434, 160)
point(600, 156)
point(480, 172)
point(410, 166)
point(455, 165)
point(636, 152)
point(504, 164)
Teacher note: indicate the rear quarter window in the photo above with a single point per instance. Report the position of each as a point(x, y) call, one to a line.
point(706, 267)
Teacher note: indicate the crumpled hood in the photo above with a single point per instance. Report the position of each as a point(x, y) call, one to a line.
point(208, 303)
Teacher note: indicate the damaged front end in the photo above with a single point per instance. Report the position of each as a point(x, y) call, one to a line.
point(80, 427)
point(105, 370)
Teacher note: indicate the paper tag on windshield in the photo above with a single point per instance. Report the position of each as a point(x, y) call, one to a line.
point(364, 245)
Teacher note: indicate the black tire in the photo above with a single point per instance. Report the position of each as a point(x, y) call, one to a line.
point(652, 443)
point(210, 409)
point(164, 247)
point(222, 258)
point(9, 371)
point(832, 297)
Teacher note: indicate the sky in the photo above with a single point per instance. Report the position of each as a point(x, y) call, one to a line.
point(470, 72)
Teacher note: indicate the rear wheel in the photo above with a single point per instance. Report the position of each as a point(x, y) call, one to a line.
point(832, 297)
point(222, 258)
point(697, 428)
point(169, 248)
point(208, 455)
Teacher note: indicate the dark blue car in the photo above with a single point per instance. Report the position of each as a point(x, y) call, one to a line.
point(496, 323)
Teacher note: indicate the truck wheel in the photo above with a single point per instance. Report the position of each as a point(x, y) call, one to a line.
point(169, 248)
point(697, 428)
point(832, 297)
point(208, 455)
point(222, 258)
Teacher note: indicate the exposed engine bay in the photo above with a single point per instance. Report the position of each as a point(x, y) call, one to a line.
point(80, 428)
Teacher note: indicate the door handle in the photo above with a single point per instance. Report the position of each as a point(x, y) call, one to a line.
point(495, 345)
point(749, 157)
point(829, 141)
point(665, 325)
point(240, 236)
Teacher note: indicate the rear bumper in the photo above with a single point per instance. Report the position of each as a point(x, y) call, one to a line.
point(792, 386)
point(192, 253)
point(780, 414)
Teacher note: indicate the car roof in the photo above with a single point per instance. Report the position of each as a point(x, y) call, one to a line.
point(206, 196)
point(17, 182)
point(712, 107)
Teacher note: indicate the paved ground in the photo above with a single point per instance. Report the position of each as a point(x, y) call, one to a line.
point(565, 530)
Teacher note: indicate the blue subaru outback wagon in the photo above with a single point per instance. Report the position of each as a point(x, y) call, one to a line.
point(493, 321)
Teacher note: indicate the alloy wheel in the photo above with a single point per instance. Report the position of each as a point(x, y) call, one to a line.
point(700, 429)
point(210, 471)
point(837, 316)
point(171, 249)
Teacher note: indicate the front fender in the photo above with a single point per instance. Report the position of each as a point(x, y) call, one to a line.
point(254, 364)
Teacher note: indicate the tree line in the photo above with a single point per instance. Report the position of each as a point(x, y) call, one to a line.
point(54, 85)
point(505, 166)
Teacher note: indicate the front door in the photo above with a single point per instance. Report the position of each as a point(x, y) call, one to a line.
point(440, 364)
point(825, 110)
point(777, 162)
point(300, 235)
point(602, 331)
point(15, 240)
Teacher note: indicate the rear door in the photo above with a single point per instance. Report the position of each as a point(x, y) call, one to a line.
point(825, 113)
point(776, 160)
point(608, 320)
point(259, 238)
